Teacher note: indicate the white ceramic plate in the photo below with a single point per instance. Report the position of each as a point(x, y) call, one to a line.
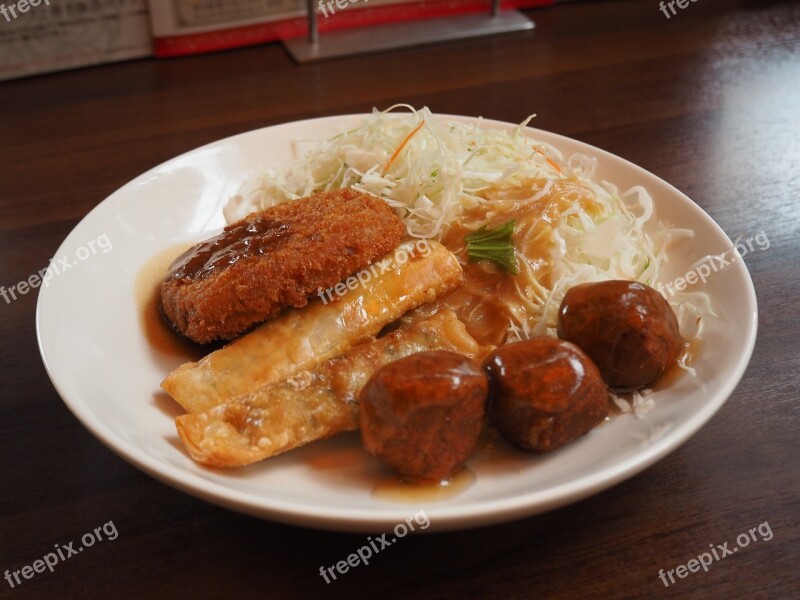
point(108, 374)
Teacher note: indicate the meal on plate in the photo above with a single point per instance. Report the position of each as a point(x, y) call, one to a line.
point(420, 279)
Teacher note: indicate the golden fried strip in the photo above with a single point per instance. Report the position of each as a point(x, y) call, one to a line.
point(300, 339)
point(312, 404)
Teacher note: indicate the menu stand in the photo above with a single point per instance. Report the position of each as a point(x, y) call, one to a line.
point(389, 36)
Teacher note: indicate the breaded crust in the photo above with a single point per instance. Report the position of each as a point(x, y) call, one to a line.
point(274, 259)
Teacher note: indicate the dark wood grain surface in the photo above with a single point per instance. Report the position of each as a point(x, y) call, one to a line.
point(709, 100)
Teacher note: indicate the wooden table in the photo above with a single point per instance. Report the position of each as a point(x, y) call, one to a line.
point(708, 99)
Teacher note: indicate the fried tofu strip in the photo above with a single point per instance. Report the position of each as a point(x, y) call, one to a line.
point(412, 274)
point(313, 404)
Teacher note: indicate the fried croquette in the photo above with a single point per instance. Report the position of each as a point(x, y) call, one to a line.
point(275, 259)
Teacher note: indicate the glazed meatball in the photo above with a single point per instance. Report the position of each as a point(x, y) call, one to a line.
point(422, 415)
point(627, 328)
point(544, 393)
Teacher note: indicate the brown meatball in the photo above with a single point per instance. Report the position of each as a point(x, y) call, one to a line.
point(422, 415)
point(627, 328)
point(545, 393)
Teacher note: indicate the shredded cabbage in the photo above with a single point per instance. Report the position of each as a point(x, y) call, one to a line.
point(435, 175)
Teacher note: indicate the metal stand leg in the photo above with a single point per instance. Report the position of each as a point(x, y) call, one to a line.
point(313, 29)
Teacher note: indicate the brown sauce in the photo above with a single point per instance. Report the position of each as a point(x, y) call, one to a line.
point(340, 458)
point(675, 372)
point(256, 236)
point(395, 489)
point(483, 302)
point(148, 300)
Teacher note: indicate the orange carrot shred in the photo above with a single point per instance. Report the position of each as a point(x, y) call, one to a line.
point(401, 146)
point(549, 161)
point(552, 164)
